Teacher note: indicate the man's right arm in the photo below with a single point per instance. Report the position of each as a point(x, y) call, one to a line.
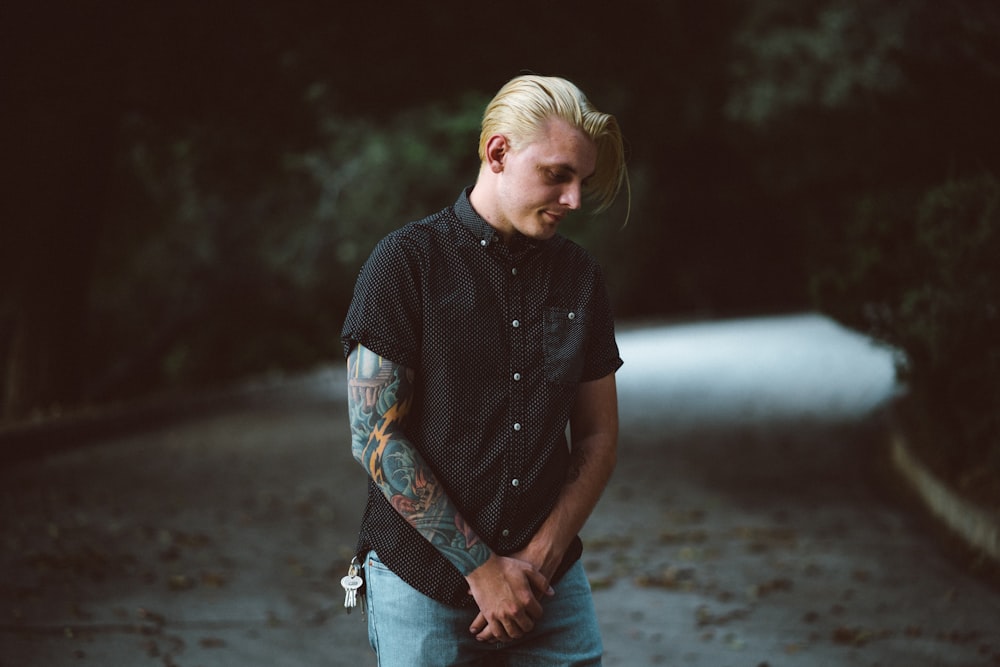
point(380, 396)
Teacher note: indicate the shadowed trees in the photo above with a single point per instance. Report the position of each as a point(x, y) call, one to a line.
point(195, 186)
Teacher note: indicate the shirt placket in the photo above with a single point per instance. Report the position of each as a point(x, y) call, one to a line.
point(517, 409)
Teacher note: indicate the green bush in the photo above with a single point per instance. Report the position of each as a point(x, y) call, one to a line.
point(224, 257)
point(925, 279)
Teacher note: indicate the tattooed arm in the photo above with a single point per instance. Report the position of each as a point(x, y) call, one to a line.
point(380, 395)
point(379, 399)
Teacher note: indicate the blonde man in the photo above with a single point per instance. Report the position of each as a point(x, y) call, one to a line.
point(474, 336)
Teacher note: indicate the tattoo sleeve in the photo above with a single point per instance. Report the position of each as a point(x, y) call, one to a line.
point(380, 395)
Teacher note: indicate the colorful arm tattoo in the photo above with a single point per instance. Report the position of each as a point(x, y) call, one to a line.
point(380, 394)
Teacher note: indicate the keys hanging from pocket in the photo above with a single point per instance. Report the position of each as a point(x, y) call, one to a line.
point(351, 583)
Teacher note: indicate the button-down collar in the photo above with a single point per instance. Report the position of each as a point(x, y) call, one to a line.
point(485, 234)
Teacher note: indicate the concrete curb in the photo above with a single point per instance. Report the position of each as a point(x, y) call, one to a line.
point(977, 527)
point(32, 440)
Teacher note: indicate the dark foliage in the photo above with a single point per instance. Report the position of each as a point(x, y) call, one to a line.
point(196, 184)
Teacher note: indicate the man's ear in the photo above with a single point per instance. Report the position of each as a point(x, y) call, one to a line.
point(496, 151)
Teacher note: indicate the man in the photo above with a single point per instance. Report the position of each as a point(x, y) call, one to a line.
point(473, 337)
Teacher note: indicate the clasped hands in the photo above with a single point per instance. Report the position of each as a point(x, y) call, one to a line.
point(508, 591)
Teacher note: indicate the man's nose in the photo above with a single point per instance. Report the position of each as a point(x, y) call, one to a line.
point(571, 196)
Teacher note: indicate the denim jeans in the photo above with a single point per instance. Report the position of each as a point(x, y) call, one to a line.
point(408, 629)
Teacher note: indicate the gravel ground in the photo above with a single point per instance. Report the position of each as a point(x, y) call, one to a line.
point(743, 527)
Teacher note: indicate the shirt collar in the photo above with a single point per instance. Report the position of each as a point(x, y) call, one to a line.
point(482, 230)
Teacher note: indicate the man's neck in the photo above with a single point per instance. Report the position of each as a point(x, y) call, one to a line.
point(481, 201)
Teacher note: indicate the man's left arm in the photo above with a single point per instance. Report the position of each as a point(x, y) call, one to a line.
point(594, 438)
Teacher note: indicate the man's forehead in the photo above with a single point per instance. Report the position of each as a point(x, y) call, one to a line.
point(562, 144)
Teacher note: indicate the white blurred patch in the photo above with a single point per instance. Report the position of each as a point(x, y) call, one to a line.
point(773, 368)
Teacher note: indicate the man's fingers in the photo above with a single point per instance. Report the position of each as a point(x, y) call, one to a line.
point(509, 628)
point(478, 624)
point(540, 583)
point(505, 632)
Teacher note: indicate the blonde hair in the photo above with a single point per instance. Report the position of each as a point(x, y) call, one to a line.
point(525, 103)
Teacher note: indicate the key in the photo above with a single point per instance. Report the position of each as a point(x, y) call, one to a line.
point(351, 583)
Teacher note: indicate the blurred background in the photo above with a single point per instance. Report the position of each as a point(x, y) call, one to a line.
point(192, 186)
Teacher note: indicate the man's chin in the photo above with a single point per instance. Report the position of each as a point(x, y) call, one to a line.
point(544, 233)
point(546, 228)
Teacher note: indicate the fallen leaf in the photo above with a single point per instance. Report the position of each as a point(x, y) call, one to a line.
point(180, 582)
point(212, 642)
point(214, 579)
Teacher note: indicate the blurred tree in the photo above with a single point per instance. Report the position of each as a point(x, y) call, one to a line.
point(254, 155)
point(276, 261)
point(216, 115)
point(920, 273)
point(843, 98)
point(61, 83)
point(873, 122)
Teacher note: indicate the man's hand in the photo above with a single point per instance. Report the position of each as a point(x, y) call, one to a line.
point(507, 591)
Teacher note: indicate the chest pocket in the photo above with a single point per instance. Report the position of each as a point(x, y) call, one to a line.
point(564, 344)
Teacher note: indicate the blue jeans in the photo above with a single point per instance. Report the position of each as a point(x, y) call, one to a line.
point(408, 629)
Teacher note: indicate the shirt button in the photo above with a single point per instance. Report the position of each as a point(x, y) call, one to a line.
point(483, 242)
point(515, 482)
point(513, 271)
point(515, 324)
point(505, 533)
point(517, 426)
point(517, 377)
point(572, 316)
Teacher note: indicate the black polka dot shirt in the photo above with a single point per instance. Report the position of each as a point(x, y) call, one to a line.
point(499, 337)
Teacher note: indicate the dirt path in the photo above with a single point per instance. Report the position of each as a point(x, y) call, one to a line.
point(220, 540)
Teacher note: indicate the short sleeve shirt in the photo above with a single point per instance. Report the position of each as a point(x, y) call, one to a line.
point(499, 336)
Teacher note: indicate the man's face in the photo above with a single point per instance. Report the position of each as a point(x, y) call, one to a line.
point(544, 180)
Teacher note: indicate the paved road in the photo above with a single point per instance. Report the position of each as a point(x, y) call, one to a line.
point(769, 539)
point(743, 527)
